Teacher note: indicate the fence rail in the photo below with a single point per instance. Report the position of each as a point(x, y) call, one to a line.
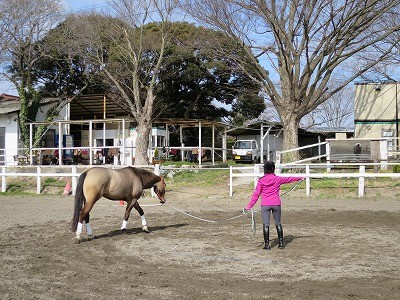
point(39, 174)
point(308, 174)
point(234, 172)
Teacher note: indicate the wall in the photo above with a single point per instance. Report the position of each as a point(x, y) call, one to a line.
point(11, 136)
point(376, 106)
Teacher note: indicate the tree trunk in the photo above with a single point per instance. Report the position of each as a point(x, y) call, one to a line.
point(142, 141)
point(290, 122)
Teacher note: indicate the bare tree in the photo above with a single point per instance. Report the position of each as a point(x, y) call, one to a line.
point(24, 23)
point(387, 69)
point(337, 111)
point(295, 47)
point(129, 46)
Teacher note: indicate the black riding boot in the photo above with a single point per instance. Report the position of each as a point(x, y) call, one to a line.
point(266, 237)
point(279, 229)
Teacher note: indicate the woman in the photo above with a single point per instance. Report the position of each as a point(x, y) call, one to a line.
point(268, 187)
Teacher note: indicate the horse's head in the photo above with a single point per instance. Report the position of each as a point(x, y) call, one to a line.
point(159, 189)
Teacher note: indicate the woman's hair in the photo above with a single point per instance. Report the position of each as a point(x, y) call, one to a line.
point(269, 167)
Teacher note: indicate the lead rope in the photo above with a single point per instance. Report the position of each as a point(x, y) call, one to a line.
point(205, 220)
point(253, 224)
point(253, 219)
point(243, 214)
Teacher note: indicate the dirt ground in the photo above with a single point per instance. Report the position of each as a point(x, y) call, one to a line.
point(341, 248)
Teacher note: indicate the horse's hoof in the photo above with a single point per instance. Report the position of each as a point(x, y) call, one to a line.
point(76, 240)
point(123, 230)
point(145, 229)
point(90, 237)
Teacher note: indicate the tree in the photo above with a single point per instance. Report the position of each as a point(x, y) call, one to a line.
point(23, 23)
point(338, 111)
point(63, 70)
point(194, 78)
point(387, 69)
point(129, 59)
point(306, 44)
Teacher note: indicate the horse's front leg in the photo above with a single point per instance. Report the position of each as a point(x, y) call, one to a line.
point(130, 205)
point(141, 213)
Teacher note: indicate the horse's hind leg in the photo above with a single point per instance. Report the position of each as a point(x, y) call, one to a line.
point(84, 216)
point(89, 230)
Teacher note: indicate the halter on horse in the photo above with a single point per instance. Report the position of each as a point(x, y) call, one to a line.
point(122, 184)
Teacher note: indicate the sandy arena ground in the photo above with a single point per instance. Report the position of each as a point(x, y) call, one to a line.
point(342, 248)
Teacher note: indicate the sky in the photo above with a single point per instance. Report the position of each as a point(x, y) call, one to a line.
point(79, 5)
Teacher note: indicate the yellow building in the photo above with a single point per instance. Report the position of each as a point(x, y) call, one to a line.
point(377, 112)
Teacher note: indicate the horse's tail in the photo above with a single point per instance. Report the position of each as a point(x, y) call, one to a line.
point(79, 201)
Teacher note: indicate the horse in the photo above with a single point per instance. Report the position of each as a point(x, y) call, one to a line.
point(114, 184)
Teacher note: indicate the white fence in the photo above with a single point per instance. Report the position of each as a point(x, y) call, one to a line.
point(359, 173)
point(308, 171)
point(52, 171)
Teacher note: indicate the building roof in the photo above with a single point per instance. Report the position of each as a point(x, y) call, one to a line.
point(254, 127)
point(189, 122)
point(331, 129)
point(88, 107)
point(9, 103)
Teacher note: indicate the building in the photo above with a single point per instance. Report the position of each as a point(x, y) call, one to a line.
point(269, 135)
point(11, 147)
point(377, 112)
point(93, 130)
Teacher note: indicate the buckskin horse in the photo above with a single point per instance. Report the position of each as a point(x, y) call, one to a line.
point(115, 184)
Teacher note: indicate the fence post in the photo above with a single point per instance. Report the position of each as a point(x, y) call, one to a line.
point(255, 170)
point(278, 162)
point(156, 171)
point(3, 180)
point(74, 180)
point(38, 180)
point(230, 181)
point(361, 182)
point(308, 185)
point(328, 156)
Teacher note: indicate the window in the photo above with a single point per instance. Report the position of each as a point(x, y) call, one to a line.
point(388, 134)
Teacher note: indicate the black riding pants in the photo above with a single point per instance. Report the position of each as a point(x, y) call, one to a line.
point(276, 213)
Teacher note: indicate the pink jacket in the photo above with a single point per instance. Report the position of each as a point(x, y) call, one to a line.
point(269, 187)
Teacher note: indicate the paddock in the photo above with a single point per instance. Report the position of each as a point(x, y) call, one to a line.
point(337, 248)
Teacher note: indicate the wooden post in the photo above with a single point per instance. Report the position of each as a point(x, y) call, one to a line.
point(328, 156)
point(308, 185)
point(230, 181)
point(74, 179)
point(361, 182)
point(3, 180)
point(255, 170)
point(38, 181)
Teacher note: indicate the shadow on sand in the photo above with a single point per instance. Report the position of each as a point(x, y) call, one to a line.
point(118, 232)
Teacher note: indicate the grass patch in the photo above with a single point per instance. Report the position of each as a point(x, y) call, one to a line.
point(199, 178)
point(208, 178)
point(27, 186)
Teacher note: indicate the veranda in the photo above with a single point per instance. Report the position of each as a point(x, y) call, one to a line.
point(115, 141)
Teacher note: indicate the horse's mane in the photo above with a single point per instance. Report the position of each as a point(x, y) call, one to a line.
point(141, 171)
point(145, 175)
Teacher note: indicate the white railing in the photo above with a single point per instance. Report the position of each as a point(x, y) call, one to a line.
point(361, 174)
point(296, 150)
point(72, 172)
